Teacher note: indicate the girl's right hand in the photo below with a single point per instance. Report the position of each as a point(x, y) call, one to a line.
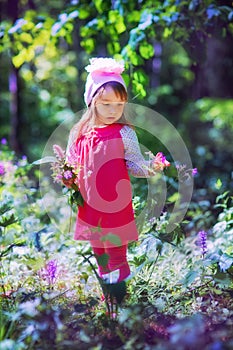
point(159, 162)
point(68, 183)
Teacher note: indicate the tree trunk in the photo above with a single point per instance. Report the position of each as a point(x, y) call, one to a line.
point(15, 115)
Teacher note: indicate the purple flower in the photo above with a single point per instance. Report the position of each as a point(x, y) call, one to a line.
point(2, 169)
point(202, 241)
point(68, 174)
point(194, 171)
point(3, 141)
point(51, 271)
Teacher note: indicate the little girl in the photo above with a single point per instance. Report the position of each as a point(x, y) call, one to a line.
point(107, 148)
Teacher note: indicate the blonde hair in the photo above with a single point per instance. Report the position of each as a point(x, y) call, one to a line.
point(88, 119)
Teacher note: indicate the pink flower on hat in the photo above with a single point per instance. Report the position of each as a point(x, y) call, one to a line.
point(102, 70)
point(103, 65)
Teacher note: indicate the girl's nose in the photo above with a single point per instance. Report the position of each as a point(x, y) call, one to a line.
point(113, 109)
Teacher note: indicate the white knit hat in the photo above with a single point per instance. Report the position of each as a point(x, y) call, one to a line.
point(102, 70)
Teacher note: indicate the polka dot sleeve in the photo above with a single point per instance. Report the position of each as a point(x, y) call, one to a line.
point(135, 162)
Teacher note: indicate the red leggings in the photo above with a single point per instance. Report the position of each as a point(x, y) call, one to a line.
point(117, 260)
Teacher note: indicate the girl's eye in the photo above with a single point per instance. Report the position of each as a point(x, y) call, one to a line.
point(113, 104)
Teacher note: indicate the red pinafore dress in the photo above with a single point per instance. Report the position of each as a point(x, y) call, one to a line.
point(106, 219)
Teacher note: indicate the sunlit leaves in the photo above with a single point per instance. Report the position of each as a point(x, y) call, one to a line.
point(99, 5)
point(117, 20)
point(26, 38)
point(113, 47)
point(167, 33)
point(25, 55)
point(140, 80)
point(134, 16)
point(121, 28)
point(88, 45)
point(146, 50)
point(219, 111)
point(131, 56)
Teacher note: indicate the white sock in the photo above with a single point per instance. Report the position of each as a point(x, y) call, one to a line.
point(111, 277)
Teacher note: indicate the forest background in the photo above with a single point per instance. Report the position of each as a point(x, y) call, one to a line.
point(178, 58)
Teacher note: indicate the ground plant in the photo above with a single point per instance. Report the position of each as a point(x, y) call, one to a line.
point(179, 295)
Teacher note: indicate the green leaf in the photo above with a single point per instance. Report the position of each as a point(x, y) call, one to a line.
point(88, 45)
point(133, 16)
point(112, 238)
point(146, 50)
point(225, 262)
point(140, 76)
point(102, 259)
point(4, 207)
point(99, 5)
point(223, 280)
point(139, 260)
point(19, 59)
point(83, 12)
point(7, 221)
point(113, 47)
point(174, 197)
point(139, 89)
point(76, 198)
point(167, 33)
point(117, 20)
point(47, 159)
point(34, 263)
point(190, 277)
point(218, 184)
point(26, 37)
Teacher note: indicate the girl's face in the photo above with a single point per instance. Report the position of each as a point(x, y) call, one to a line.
point(109, 107)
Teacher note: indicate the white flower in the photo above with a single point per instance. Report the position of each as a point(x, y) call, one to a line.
point(105, 65)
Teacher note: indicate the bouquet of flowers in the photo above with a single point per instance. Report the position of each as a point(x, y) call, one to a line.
point(65, 171)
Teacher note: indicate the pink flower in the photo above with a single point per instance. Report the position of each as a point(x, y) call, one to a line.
point(59, 153)
point(58, 178)
point(2, 170)
point(100, 65)
point(160, 162)
point(194, 171)
point(185, 173)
